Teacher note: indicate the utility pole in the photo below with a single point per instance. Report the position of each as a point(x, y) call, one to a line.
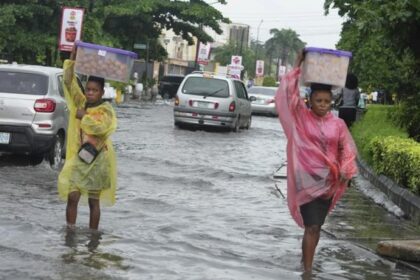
point(196, 66)
point(258, 38)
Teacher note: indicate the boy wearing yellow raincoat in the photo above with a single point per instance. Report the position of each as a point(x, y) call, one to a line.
point(91, 121)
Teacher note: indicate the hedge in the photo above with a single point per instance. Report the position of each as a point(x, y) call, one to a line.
point(397, 158)
point(269, 81)
point(374, 123)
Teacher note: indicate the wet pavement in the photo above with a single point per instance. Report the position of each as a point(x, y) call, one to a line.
point(190, 205)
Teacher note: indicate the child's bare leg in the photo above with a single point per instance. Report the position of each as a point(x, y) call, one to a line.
point(71, 210)
point(95, 213)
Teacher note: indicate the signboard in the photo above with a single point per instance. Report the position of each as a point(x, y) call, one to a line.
point(282, 70)
point(234, 72)
point(259, 68)
point(236, 60)
point(203, 56)
point(140, 46)
point(71, 28)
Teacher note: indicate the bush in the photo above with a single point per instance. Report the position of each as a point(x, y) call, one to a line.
point(269, 81)
point(399, 159)
point(375, 122)
point(387, 147)
point(407, 114)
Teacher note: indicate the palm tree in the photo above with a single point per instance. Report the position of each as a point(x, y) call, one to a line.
point(284, 43)
point(270, 51)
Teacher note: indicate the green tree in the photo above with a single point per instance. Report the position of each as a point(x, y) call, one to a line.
point(283, 45)
point(270, 47)
point(29, 28)
point(383, 36)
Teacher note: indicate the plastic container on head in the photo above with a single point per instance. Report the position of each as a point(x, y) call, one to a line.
point(109, 63)
point(325, 66)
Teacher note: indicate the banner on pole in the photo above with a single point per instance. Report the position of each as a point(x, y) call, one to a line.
point(259, 68)
point(203, 53)
point(71, 27)
point(236, 60)
point(282, 71)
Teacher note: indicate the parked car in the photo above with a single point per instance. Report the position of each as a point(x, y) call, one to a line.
point(264, 100)
point(168, 85)
point(33, 112)
point(208, 100)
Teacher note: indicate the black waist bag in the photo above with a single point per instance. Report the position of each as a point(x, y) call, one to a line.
point(88, 153)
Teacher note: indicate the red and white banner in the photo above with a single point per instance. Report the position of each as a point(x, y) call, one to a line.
point(236, 60)
point(203, 56)
point(259, 68)
point(71, 27)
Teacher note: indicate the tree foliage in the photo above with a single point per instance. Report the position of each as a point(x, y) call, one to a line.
point(29, 28)
point(283, 45)
point(384, 38)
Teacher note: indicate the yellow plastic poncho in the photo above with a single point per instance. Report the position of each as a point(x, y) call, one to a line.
point(98, 179)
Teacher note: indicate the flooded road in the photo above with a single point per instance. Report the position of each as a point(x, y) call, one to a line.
point(190, 205)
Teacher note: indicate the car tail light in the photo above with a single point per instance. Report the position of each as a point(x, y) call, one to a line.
point(44, 105)
point(216, 105)
point(190, 102)
point(269, 101)
point(44, 125)
point(232, 106)
point(176, 100)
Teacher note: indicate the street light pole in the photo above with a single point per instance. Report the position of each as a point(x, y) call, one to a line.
point(258, 38)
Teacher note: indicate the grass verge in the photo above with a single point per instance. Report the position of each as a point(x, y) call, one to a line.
point(374, 123)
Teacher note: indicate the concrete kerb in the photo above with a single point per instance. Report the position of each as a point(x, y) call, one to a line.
point(403, 198)
point(407, 252)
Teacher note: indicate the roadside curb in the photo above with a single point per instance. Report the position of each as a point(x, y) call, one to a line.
point(403, 198)
point(403, 252)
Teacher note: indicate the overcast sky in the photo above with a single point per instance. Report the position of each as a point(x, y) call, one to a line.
point(306, 17)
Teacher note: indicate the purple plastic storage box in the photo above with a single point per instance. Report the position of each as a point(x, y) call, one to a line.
point(325, 66)
point(109, 63)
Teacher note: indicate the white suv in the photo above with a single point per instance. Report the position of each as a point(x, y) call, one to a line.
point(33, 112)
point(205, 99)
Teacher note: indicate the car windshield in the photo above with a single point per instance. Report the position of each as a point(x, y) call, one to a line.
point(263, 91)
point(206, 87)
point(23, 83)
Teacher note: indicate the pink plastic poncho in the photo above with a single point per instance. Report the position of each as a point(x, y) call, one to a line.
point(320, 150)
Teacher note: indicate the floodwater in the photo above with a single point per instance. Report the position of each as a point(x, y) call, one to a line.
point(190, 205)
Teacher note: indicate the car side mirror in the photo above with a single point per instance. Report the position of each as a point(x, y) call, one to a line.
point(252, 98)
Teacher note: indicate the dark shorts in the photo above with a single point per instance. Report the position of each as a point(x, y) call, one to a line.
point(315, 211)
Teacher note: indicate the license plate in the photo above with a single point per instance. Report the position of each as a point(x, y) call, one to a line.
point(4, 138)
point(207, 105)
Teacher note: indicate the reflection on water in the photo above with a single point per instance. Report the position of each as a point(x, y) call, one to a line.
point(83, 244)
point(190, 205)
point(74, 238)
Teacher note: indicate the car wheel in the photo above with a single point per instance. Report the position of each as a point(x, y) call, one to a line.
point(36, 159)
point(248, 124)
point(237, 124)
point(166, 95)
point(55, 155)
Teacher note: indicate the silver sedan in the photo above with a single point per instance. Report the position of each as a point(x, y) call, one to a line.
point(263, 103)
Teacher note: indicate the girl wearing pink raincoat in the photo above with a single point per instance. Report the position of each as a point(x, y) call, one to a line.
point(320, 157)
